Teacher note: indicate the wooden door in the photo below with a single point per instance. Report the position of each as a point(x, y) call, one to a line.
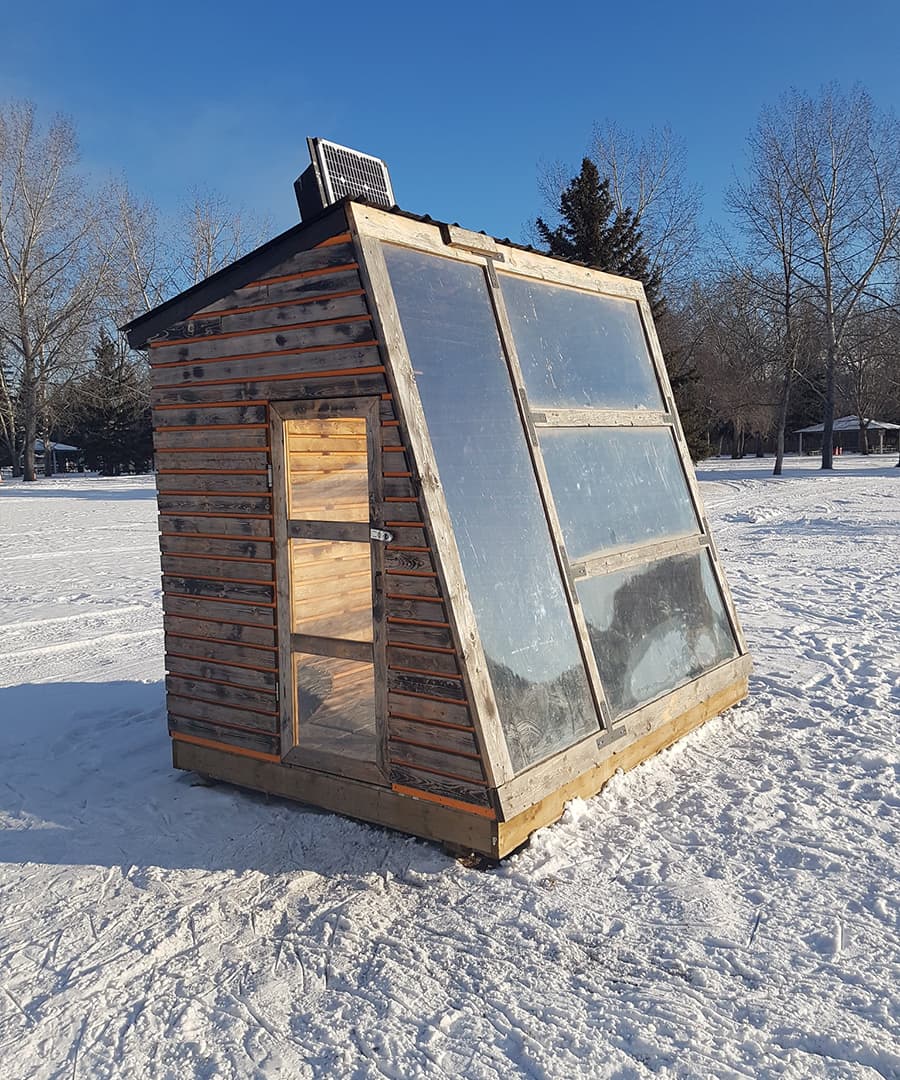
point(329, 566)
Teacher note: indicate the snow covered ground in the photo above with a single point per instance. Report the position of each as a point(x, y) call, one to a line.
point(728, 910)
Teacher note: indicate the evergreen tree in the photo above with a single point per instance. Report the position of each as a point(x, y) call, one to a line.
point(111, 412)
point(592, 232)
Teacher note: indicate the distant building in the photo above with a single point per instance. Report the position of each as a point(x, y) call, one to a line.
point(881, 433)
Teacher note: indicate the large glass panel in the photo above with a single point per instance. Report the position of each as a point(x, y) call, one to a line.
point(335, 706)
point(328, 469)
point(331, 584)
point(579, 349)
point(616, 486)
point(656, 626)
point(492, 495)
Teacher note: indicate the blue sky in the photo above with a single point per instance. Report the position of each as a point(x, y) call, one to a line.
point(463, 100)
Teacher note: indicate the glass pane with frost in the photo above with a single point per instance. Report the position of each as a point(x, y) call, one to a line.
point(655, 626)
point(580, 349)
point(616, 487)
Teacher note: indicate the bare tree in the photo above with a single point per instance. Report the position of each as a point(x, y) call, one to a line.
point(53, 268)
point(838, 158)
point(210, 234)
point(649, 176)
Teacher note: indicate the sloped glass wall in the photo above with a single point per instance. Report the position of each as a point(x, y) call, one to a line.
point(501, 530)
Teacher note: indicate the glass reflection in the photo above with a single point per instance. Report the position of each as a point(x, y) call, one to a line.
point(616, 486)
point(579, 349)
point(656, 626)
point(492, 495)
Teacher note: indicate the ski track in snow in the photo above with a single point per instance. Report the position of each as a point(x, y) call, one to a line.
point(729, 909)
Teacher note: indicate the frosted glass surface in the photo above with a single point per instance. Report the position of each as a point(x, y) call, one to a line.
point(616, 486)
point(579, 349)
point(654, 627)
point(492, 496)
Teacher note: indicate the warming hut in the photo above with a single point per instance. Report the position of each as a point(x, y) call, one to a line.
point(433, 552)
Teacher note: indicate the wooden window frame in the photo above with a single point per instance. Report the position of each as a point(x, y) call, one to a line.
point(289, 643)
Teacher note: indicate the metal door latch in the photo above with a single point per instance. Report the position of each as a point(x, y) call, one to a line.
point(381, 534)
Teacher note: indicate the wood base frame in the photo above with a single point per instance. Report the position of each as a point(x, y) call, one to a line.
point(459, 828)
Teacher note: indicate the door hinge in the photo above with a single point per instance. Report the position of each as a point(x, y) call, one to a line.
point(269, 476)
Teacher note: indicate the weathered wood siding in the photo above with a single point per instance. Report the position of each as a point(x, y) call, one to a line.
point(302, 331)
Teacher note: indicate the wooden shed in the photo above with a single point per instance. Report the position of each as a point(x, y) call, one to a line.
point(433, 552)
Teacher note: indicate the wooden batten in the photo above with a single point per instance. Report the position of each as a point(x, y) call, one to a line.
point(300, 328)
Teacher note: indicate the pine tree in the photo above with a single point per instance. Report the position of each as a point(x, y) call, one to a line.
point(593, 232)
point(111, 412)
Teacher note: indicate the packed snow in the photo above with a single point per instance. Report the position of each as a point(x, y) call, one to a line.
point(729, 909)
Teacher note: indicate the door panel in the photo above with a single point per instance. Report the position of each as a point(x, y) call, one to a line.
point(327, 457)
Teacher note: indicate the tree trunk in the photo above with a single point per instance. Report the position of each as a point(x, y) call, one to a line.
point(863, 439)
point(759, 445)
point(831, 361)
point(783, 406)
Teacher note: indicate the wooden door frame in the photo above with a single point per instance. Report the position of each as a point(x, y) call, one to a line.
point(292, 753)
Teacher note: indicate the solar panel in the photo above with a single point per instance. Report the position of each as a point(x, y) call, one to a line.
point(343, 172)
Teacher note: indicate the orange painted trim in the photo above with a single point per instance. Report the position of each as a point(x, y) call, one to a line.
point(214, 405)
point(437, 772)
point(412, 573)
point(298, 277)
point(443, 800)
point(294, 301)
point(387, 397)
point(418, 599)
point(400, 498)
point(211, 744)
point(296, 376)
point(393, 449)
point(341, 238)
point(194, 361)
point(397, 475)
point(390, 423)
point(432, 723)
point(280, 328)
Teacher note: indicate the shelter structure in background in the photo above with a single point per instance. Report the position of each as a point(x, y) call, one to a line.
point(848, 435)
point(434, 555)
point(63, 458)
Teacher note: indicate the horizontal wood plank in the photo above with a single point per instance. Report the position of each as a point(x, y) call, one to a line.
point(200, 667)
point(258, 741)
point(245, 570)
point(279, 367)
point(297, 339)
point(237, 633)
point(240, 591)
point(218, 610)
point(305, 386)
